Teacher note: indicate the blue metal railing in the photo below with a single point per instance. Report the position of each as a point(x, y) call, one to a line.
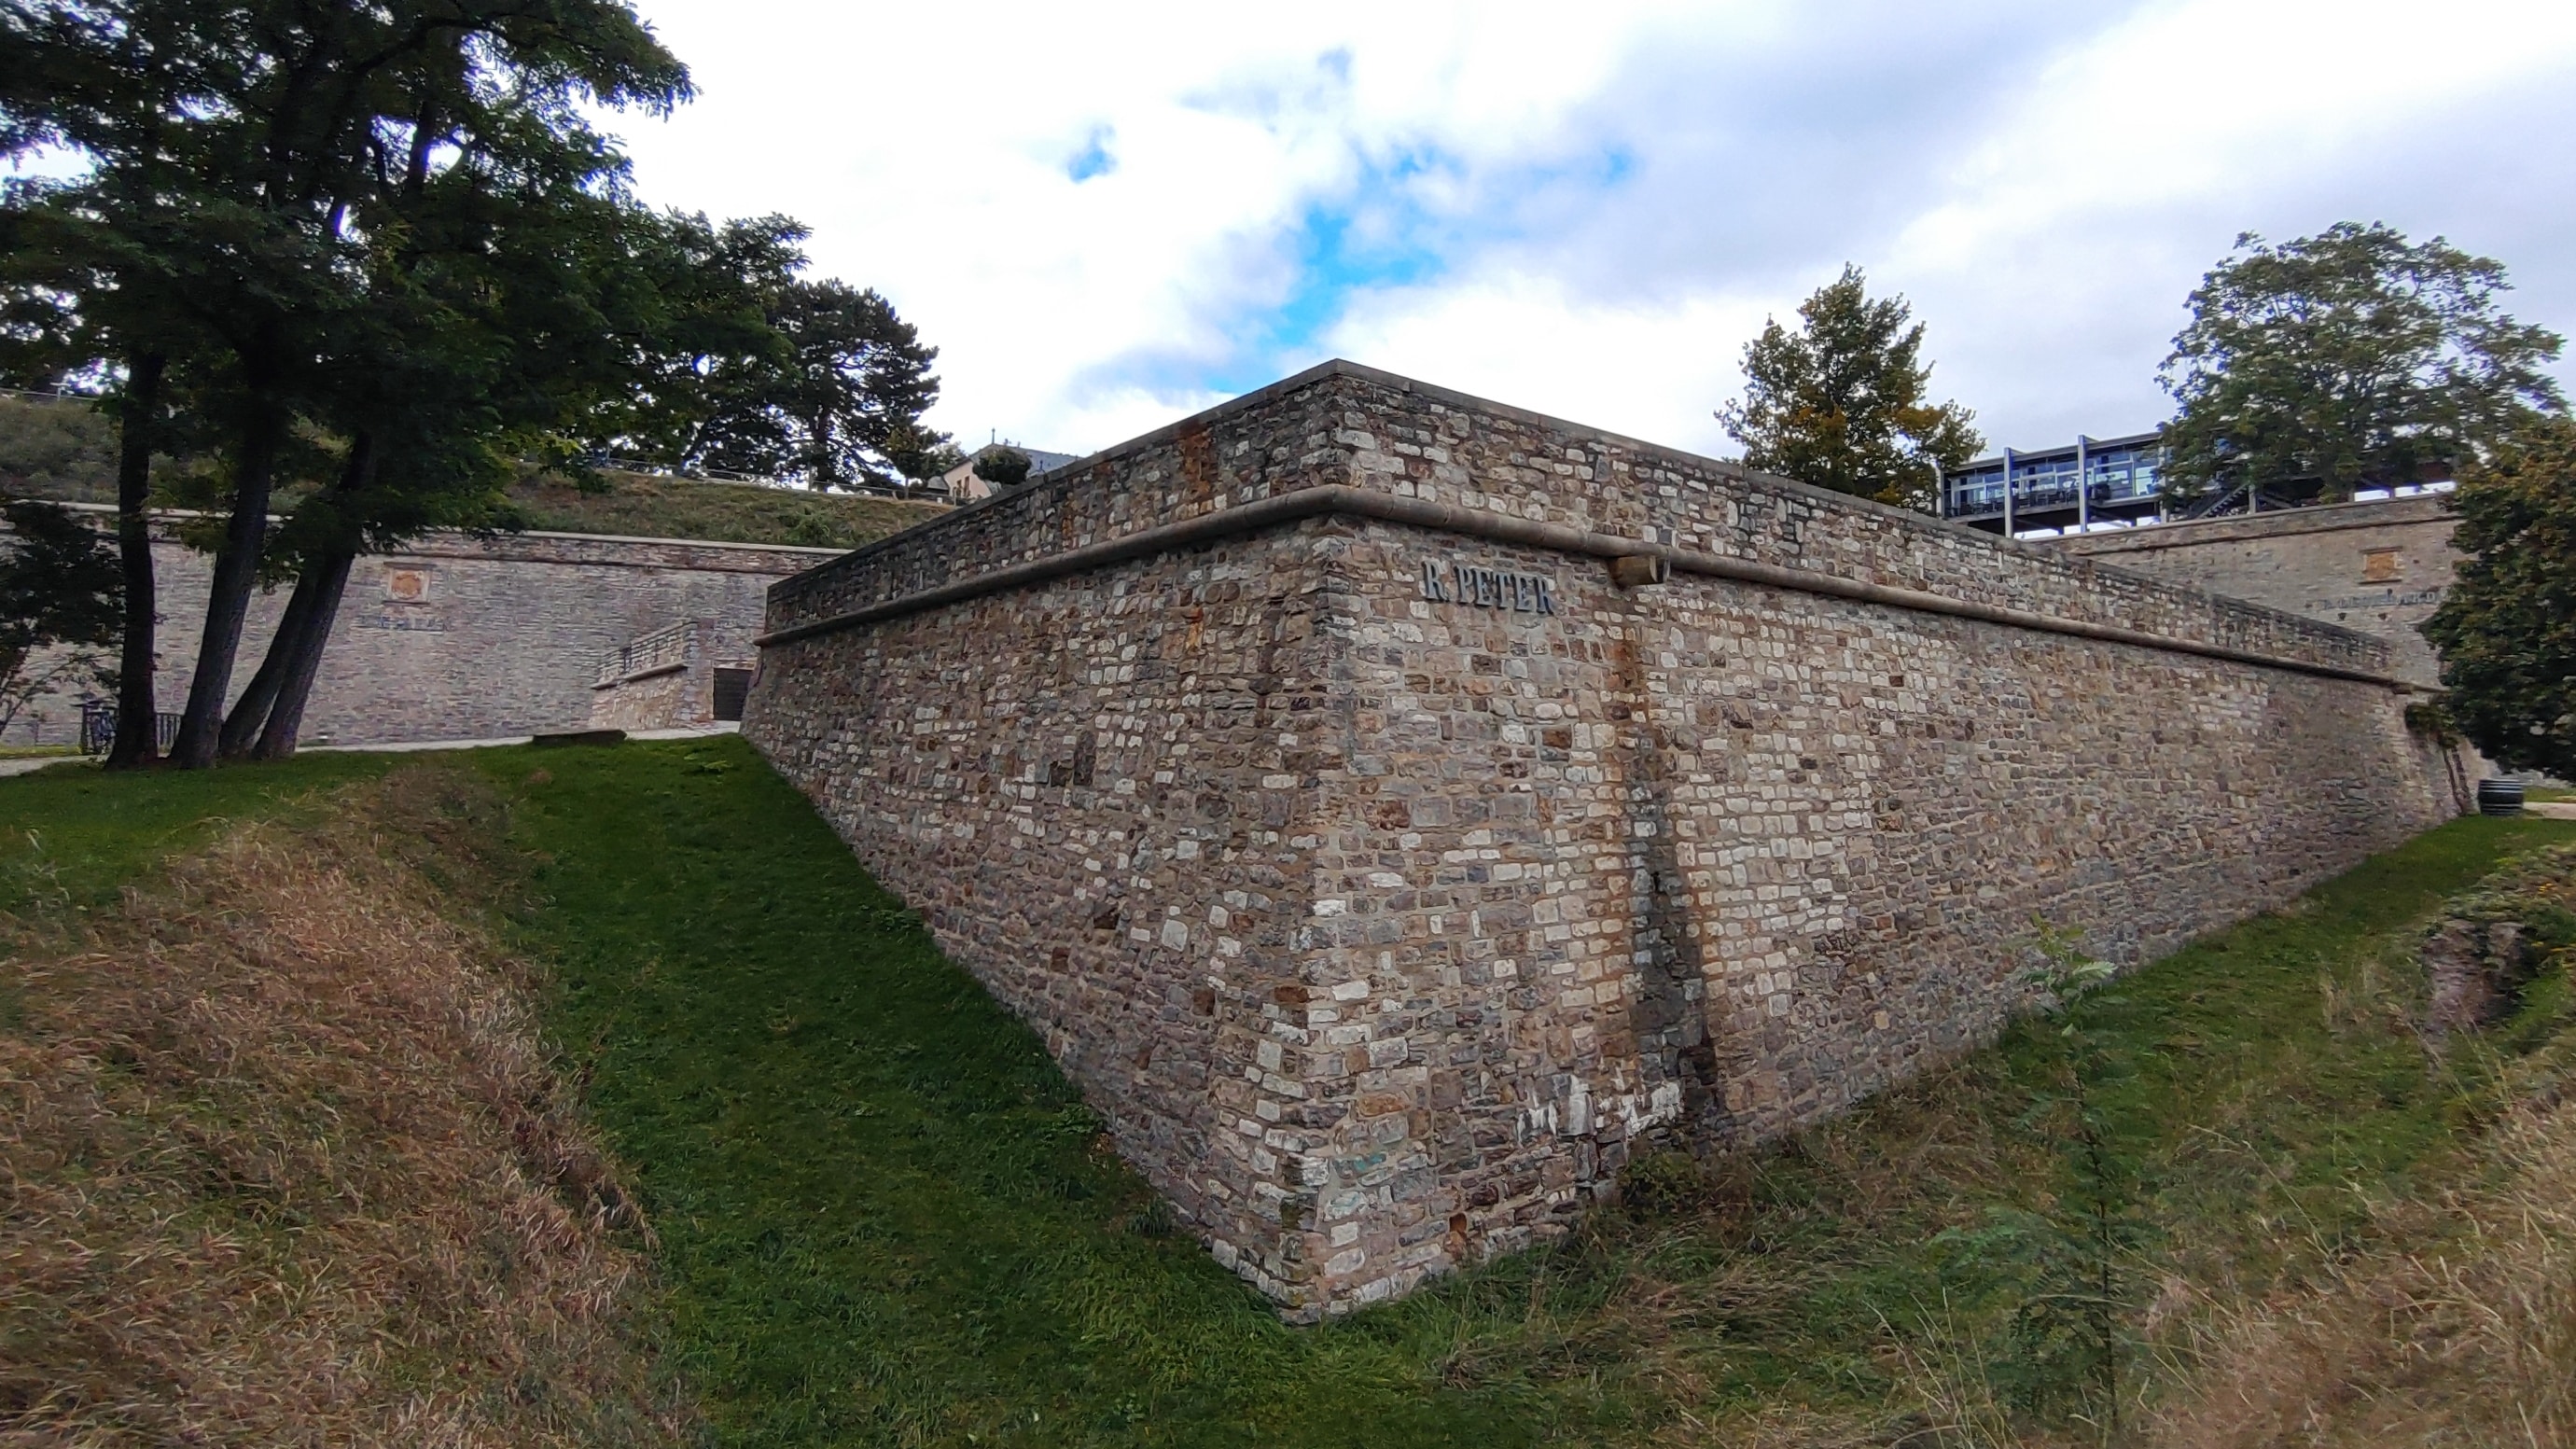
point(1989, 502)
point(98, 727)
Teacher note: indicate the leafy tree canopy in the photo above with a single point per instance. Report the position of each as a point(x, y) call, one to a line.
point(2349, 359)
point(2507, 629)
point(59, 586)
point(776, 374)
point(259, 177)
point(1841, 402)
point(839, 403)
point(58, 579)
point(1003, 467)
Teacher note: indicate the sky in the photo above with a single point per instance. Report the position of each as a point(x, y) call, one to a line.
point(1110, 216)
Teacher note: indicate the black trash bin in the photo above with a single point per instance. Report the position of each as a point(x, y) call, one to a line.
point(2499, 797)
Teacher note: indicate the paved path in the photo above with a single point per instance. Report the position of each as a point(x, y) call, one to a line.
point(2554, 809)
point(415, 746)
point(72, 762)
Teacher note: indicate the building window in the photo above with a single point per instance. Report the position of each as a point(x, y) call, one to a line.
point(2379, 566)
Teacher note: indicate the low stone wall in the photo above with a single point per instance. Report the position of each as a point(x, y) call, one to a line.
point(1382, 869)
point(2379, 568)
point(457, 638)
point(667, 679)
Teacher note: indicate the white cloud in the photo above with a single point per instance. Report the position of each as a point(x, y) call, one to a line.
point(1588, 212)
point(1647, 371)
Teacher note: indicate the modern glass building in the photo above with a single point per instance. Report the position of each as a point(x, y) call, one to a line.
point(2093, 482)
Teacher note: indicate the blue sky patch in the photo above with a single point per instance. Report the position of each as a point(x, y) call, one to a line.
point(1094, 159)
point(1381, 234)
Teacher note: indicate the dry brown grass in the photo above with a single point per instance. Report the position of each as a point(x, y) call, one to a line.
point(285, 1162)
point(2467, 1337)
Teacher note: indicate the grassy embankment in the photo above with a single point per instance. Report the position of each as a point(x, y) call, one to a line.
point(65, 451)
point(882, 1216)
point(288, 1160)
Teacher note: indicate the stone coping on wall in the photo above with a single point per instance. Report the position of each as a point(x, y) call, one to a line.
point(2316, 518)
point(1342, 438)
point(658, 670)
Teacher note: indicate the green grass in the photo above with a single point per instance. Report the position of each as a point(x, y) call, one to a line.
point(884, 1217)
point(73, 834)
point(639, 506)
point(884, 1214)
point(67, 452)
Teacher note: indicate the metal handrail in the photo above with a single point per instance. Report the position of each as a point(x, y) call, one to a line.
point(2054, 496)
point(98, 727)
point(665, 646)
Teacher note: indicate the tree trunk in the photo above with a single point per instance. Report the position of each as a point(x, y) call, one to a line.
point(137, 743)
point(247, 723)
point(228, 595)
point(250, 712)
point(330, 578)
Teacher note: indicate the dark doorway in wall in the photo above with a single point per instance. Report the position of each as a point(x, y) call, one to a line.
point(732, 687)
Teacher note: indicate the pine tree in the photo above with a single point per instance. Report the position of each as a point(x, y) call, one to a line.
point(2507, 629)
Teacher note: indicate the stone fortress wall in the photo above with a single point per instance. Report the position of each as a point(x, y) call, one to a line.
point(458, 638)
point(1383, 851)
point(2381, 568)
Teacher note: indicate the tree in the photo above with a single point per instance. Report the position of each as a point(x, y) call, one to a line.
point(383, 247)
point(1840, 403)
point(2507, 629)
point(2345, 360)
point(90, 301)
point(60, 587)
point(924, 455)
point(803, 379)
point(1003, 467)
point(861, 382)
point(261, 128)
point(712, 352)
point(503, 311)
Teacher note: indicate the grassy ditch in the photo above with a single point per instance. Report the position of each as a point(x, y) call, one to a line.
point(886, 1217)
point(287, 1160)
point(72, 837)
point(883, 1217)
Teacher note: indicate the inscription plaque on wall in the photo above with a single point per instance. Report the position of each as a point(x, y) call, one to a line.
point(1447, 582)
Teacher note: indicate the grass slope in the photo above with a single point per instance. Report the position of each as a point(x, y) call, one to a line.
point(884, 1215)
point(67, 452)
point(636, 505)
point(288, 1161)
point(73, 836)
point(885, 1218)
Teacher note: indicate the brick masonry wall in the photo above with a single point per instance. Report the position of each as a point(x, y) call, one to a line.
point(1380, 925)
point(2381, 568)
point(457, 638)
